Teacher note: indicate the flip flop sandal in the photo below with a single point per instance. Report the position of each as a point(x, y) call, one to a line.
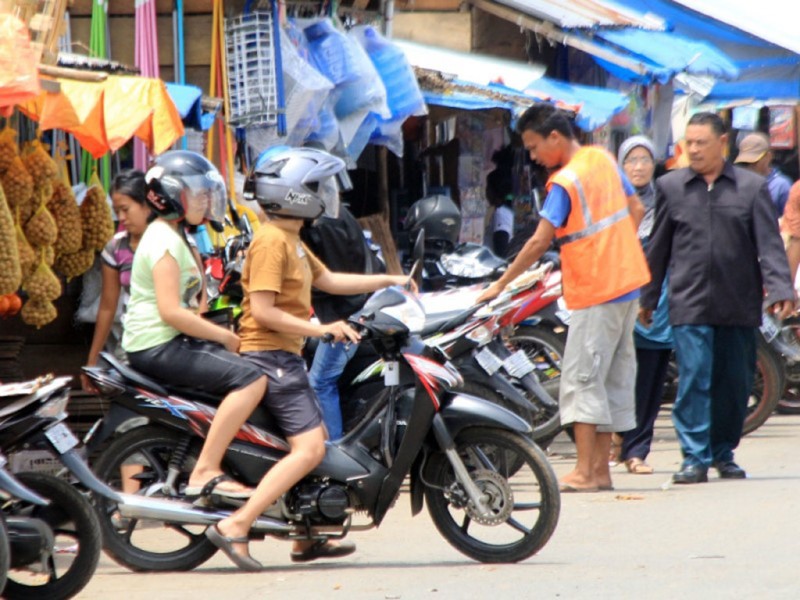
point(210, 489)
point(323, 549)
point(244, 562)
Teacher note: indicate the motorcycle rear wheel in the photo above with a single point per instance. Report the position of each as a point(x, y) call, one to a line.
point(545, 350)
point(768, 386)
point(525, 505)
point(77, 541)
point(140, 545)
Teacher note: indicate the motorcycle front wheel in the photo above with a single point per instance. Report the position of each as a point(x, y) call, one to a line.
point(524, 505)
point(143, 544)
point(768, 385)
point(74, 558)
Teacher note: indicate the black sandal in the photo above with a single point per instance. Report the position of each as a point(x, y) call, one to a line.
point(244, 562)
point(323, 549)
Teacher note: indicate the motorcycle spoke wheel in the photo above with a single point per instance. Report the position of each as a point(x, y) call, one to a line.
point(77, 547)
point(147, 544)
point(768, 385)
point(521, 508)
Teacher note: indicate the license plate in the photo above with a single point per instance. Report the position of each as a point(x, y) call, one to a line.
point(61, 437)
point(769, 328)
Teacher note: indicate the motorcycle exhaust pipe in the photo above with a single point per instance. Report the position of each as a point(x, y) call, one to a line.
point(178, 511)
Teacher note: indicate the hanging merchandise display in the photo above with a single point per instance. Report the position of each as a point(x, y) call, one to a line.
point(98, 48)
point(19, 77)
point(219, 85)
point(306, 93)
point(404, 98)
point(91, 112)
point(146, 59)
point(358, 89)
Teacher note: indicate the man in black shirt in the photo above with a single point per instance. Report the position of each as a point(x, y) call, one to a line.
point(715, 230)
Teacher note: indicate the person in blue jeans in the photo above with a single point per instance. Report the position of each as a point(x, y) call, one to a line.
point(341, 245)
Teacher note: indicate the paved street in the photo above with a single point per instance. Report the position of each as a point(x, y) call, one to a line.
point(646, 539)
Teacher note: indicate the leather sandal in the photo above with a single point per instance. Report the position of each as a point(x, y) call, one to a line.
point(244, 561)
point(323, 549)
point(638, 467)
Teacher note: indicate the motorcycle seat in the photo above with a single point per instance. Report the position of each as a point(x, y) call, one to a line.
point(434, 323)
point(159, 387)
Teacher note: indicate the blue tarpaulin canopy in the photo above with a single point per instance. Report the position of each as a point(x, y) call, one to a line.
point(594, 107)
point(597, 105)
point(766, 70)
point(187, 100)
point(665, 55)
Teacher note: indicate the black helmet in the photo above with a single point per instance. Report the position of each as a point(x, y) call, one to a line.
point(439, 216)
point(179, 177)
point(299, 183)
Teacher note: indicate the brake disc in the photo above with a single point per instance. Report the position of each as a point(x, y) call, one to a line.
point(498, 495)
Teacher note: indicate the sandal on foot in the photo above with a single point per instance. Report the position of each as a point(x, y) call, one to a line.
point(323, 549)
point(211, 488)
point(244, 562)
point(638, 467)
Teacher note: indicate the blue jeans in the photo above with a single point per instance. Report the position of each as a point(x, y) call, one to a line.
point(329, 363)
point(716, 366)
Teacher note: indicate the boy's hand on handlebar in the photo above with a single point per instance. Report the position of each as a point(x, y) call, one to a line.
point(490, 293)
point(230, 340)
point(340, 331)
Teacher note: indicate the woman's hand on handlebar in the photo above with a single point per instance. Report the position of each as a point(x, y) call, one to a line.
point(339, 331)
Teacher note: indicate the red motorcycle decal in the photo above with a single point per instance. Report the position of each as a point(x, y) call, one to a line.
point(433, 376)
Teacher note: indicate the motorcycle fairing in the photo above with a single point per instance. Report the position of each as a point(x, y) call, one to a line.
point(464, 410)
point(434, 376)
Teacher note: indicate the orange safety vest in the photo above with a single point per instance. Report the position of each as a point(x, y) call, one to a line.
point(602, 257)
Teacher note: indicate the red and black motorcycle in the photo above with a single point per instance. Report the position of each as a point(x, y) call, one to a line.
point(490, 491)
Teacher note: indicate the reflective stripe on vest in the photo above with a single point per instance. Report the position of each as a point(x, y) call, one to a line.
point(594, 227)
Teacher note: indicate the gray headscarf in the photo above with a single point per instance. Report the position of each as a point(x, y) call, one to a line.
point(647, 193)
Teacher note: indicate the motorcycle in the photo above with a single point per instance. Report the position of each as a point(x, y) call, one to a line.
point(53, 531)
point(784, 339)
point(473, 343)
point(456, 450)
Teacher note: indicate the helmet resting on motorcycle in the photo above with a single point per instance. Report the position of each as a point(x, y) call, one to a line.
point(439, 216)
point(180, 179)
point(298, 183)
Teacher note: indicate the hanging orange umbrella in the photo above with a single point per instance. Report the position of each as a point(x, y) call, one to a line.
point(104, 115)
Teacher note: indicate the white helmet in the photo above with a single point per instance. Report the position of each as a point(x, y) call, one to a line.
point(299, 183)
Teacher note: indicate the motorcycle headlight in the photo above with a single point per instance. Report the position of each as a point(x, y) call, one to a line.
point(466, 267)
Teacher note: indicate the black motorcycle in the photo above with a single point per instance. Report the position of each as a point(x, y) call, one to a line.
point(53, 531)
point(457, 451)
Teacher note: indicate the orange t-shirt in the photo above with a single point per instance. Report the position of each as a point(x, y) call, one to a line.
point(277, 261)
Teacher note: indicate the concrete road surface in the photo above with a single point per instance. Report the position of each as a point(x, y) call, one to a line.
point(647, 539)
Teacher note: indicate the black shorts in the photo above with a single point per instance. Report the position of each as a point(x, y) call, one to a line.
point(195, 364)
point(290, 397)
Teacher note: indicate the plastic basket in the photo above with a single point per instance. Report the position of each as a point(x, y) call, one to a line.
point(250, 51)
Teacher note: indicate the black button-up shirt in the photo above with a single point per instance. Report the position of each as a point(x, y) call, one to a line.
point(721, 245)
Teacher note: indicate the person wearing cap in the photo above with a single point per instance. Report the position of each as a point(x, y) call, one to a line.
point(716, 231)
point(653, 343)
point(755, 154)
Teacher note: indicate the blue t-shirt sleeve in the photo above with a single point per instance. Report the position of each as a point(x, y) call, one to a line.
point(556, 206)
